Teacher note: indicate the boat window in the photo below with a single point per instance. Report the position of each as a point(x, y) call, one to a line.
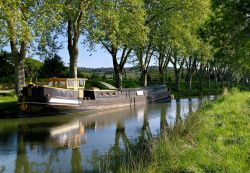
point(81, 83)
point(107, 94)
point(114, 94)
point(56, 83)
point(50, 83)
point(61, 84)
point(70, 83)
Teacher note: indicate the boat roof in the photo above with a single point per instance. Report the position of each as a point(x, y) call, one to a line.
point(111, 87)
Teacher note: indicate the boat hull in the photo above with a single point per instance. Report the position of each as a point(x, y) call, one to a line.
point(80, 105)
point(46, 100)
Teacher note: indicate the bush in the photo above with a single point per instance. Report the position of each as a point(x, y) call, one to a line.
point(32, 67)
point(53, 67)
point(6, 64)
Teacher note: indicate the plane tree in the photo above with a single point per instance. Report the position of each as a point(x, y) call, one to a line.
point(172, 35)
point(21, 22)
point(119, 27)
point(156, 11)
point(75, 17)
point(73, 24)
point(183, 37)
point(228, 32)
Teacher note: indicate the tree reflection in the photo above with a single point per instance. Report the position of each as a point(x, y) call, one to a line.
point(145, 133)
point(76, 161)
point(22, 162)
point(190, 105)
point(163, 120)
point(127, 151)
point(118, 151)
point(178, 119)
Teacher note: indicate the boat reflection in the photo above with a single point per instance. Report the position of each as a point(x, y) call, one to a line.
point(69, 135)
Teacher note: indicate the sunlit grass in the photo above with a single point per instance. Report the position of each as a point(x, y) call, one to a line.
point(9, 97)
point(8, 102)
point(214, 139)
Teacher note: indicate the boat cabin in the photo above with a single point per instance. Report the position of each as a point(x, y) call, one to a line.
point(67, 83)
point(76, 84)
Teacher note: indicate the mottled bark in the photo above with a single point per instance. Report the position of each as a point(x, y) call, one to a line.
point(118, 74)
point(144, 77)
point(73, 38)
point(18, 57)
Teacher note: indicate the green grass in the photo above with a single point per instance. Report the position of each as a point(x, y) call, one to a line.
point(8, 102)
point(214, 139)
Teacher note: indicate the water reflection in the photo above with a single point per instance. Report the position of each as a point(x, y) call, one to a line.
point(163, 122)
point(76, 161)
point(93, 142)
point(22, 162)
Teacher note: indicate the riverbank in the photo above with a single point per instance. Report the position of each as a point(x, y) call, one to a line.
point(8, 106)
point(214, 139)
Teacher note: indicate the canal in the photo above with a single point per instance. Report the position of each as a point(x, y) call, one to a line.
point(85, 142)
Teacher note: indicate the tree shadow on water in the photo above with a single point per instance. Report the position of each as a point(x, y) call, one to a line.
point(127, 153)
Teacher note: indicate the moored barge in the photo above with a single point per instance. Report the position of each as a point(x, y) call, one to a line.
point(69, 94)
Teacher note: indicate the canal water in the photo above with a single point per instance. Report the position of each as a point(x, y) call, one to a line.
point(82, 142)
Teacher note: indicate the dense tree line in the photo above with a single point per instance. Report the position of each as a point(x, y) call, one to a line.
point(51, 67)
point(205, 38)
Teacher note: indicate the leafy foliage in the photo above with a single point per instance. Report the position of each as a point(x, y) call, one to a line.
point(119, 23)
point(53, 67)
point(6, 64)
point(32, 67)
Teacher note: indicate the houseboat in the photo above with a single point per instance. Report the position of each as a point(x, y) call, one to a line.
point(67, 94)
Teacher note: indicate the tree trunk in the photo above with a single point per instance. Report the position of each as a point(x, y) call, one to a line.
point(18, 59)
point(221, 82)
point(190, 77)
point(73, 36)
point(209, 79)
point(117, 73)
point(162, 75)
point(19, 75)
point(201, 83)
point(177, 81)
point(144, 77)
point(215, 80)
point(73, 52)
point(209, 82)
point(117, 77)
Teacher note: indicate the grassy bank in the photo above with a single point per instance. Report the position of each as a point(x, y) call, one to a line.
point(214, 139)
point(8, 104)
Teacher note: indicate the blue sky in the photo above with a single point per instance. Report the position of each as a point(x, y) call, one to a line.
point(98, 58)
point(95, 59)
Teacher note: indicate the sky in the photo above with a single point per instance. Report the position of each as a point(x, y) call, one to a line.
point(95, 59)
